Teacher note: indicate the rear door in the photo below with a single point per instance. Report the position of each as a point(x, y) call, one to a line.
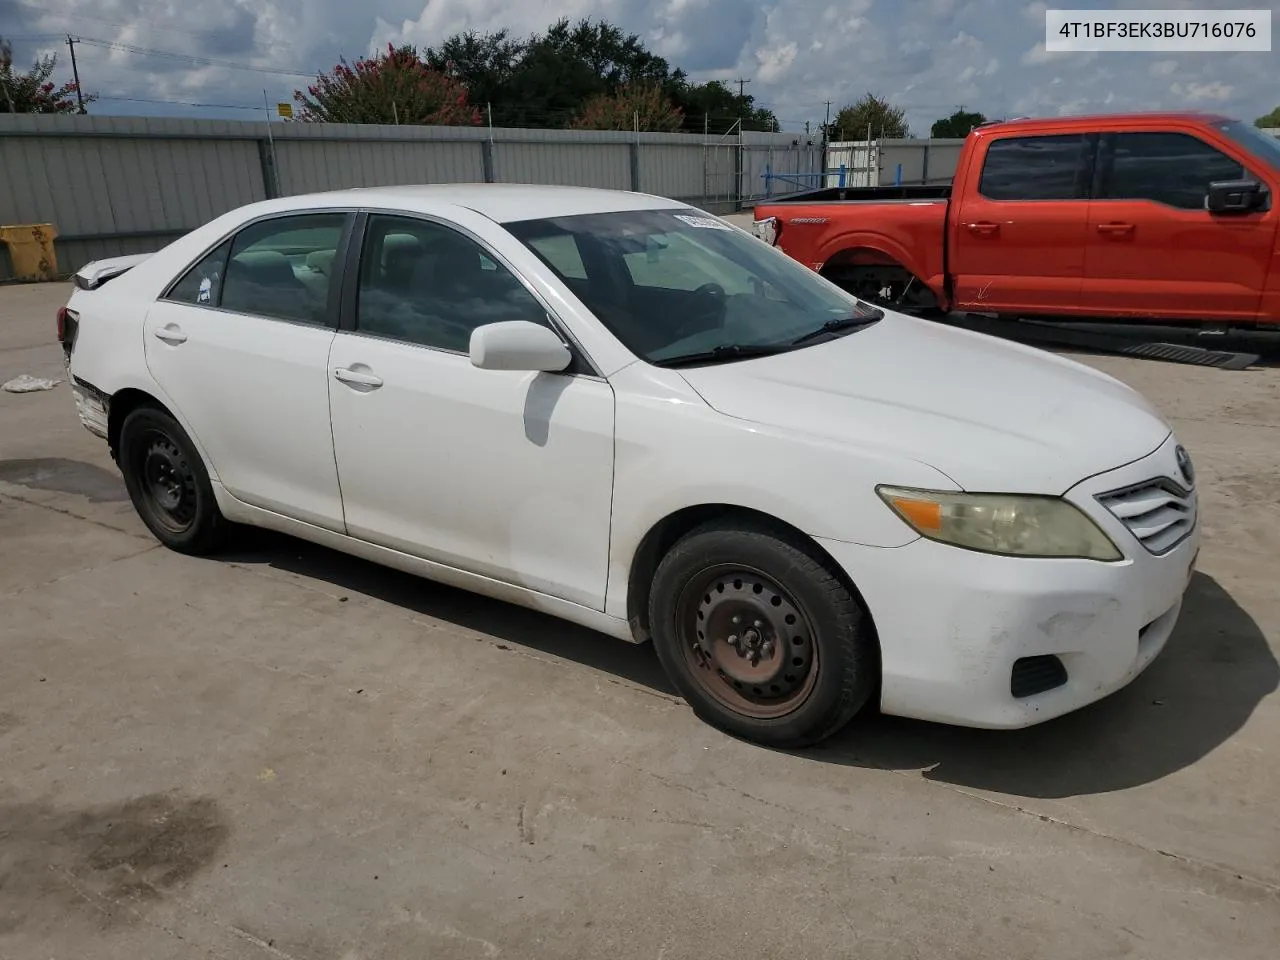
point(1018, 230)
point(1154, 250)
point(240, 345)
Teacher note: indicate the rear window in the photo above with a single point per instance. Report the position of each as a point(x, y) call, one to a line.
point(1037, 168)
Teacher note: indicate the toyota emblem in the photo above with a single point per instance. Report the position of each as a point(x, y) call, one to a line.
point(1184, 466)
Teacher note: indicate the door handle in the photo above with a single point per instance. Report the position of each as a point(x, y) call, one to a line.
point(1115, 229)
point(357, 378)
point(171, 333)
point(983, 228)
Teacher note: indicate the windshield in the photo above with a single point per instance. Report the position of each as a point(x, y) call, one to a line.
point(677, 283)
point(1262, 145)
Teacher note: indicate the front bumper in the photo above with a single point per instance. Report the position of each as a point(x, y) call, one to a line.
point(953, 623)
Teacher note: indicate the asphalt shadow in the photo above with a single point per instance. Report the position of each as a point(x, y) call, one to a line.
point(505, 622)
point(1206, 683)
point(1201, 689)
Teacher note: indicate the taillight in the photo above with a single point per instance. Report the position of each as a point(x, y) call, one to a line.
point(67, 320)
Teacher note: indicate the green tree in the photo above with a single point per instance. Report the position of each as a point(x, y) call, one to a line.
point(34, 91)
point(1271, 119)
point(392, 87)
point(957, 125)
point(882, 117)
point(484, 63)
point(548, 78)
point(718, 107)
point(635, 106)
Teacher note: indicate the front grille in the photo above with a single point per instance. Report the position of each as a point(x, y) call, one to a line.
point(1159, 513)
point(1032, 675)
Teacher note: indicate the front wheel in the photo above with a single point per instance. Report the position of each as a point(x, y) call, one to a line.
point(168, 483)
point(759, 636)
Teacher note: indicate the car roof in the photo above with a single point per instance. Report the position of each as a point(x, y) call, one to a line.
point(501, 202)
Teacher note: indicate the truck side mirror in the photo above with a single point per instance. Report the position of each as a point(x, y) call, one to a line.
point(1236, 196)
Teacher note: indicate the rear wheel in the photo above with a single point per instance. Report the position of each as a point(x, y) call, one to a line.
point(760, 638)
point(168, 483)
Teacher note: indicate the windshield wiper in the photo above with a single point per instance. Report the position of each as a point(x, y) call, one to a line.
point(843, 325)
point(721, 354)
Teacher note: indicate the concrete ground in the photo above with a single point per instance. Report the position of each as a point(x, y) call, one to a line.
point(286, 753)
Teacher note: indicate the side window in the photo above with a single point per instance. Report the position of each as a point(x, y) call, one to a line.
point(1170, 168)
point(202, 284)
point(1036, 168)
point(282, 268)
point(424, 283)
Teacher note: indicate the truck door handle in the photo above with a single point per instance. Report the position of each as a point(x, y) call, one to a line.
point(983, 228)
point(357, 378)
point(171, 333)
point(1115, 229)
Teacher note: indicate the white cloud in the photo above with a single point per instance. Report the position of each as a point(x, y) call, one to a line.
point(1214, 90)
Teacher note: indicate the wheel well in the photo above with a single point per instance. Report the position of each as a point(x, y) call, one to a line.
point(123, 403)
point(866, 272)
point(667, 531)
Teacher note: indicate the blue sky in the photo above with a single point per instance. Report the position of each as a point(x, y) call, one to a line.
point(929, 56)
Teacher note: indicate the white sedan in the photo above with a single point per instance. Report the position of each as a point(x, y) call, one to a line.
point(622, 411)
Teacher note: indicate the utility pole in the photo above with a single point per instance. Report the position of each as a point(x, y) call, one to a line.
point(75, 73)
point(826, 124)
point(741, 83)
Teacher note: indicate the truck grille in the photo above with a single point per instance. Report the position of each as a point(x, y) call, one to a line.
point(1159, 513)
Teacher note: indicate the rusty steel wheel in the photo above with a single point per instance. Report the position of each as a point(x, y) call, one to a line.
point(760, 634)
point(747, 642)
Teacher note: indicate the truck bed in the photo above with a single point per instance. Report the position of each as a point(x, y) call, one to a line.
point(907, 192)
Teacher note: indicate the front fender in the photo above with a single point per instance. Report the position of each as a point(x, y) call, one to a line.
point(673, 451)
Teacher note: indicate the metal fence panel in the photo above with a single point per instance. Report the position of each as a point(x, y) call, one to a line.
point(605, 165)
point(310, 166)
point(118, 185)
point(672, 170)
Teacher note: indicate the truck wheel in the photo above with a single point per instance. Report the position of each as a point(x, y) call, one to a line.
point(759, 637)
point(168, 483)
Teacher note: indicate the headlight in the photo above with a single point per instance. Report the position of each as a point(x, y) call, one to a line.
point(1008, 524)
point(766, 230)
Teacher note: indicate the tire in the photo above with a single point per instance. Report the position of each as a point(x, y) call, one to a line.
point(806, 660)
point(168, 483)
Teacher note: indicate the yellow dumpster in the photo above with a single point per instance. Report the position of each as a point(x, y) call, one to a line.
point(31, 250)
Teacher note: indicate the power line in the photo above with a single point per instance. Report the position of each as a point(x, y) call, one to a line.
point(184, 103)
point(184, 31)
point(191, 58)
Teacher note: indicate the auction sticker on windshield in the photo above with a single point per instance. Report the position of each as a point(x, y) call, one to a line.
point(704, 223)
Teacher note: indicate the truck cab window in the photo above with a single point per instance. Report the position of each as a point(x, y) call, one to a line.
point(1036, 168)
point(1170, 168)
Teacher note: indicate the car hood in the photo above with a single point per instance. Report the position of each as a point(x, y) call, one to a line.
point(991, 415)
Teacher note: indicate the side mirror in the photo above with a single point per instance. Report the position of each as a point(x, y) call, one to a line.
point(518, 345)
point(1236, 196)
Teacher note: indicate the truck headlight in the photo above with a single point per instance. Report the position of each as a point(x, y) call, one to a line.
point(766, 230)
point(1008, 524)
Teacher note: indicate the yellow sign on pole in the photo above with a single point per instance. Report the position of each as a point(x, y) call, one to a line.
point(285, 110)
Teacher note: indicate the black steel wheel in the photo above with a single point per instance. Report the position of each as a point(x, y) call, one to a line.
point(760, 637)
point(168, 483)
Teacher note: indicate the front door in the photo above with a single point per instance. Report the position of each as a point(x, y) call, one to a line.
point(506, 474)
point(240, 346)
point(1155, 251)
point(1017, 236)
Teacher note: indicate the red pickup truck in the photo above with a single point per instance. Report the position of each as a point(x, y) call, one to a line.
point(1137, 216)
